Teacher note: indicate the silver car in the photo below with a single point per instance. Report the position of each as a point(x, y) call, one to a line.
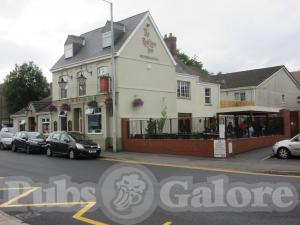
point(286, 148)
point(6, 140)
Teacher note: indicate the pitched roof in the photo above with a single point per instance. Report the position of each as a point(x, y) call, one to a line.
point(93, 42)
point(246, 78)
point(39, 106)
point(296, 76)
point(184, 69)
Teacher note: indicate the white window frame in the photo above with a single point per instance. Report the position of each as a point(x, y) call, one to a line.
point(240, 96)
point(46, 120)
point(92, 112)
point(69, 51)
point(183, 89)
point(207, 96)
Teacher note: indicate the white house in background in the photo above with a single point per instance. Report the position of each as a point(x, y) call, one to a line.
point(34, 117)
point(260, 90)
point(147, 80)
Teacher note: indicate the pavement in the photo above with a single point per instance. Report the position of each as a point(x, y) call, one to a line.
point(6, 219)
point(257, 161)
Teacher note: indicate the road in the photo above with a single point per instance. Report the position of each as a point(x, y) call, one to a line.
point(40, 169)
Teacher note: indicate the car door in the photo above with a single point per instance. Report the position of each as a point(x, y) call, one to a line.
point(64, 143)
point(295, 145)
point(54, 142)
point(23, 140)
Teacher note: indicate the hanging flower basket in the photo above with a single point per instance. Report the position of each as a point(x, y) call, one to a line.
point(137, 102)
point(65, 107)
point(92, 104)
point(108, 103)
point(52, 108)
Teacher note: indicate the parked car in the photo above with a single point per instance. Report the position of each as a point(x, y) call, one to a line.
point(29, 142)
point(7, 130)
point(5, 140)
point(72, 144)
point(286, 148)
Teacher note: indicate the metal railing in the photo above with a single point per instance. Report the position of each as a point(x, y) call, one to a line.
point(174, 128)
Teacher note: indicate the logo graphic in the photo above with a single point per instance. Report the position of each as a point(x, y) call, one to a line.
point(130, 192)
point(147, 42)
point(126, 193)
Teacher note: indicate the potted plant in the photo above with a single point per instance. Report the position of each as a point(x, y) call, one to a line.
point(65, 107)
point(137, 102)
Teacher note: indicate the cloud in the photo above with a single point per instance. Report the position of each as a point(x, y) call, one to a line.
point(227, 35)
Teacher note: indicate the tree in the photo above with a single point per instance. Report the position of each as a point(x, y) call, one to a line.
point(191, 61)
point(24, 84)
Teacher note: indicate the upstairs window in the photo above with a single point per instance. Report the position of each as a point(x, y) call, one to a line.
point(63, 86)
point(207, 96)
point(68, 51)
point(81, 79)
point(183, 89)
point(240, 96)
point(283, 98)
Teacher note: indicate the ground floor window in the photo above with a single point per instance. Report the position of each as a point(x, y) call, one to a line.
point(45, 125)
point(94, 124)
point(22, 125)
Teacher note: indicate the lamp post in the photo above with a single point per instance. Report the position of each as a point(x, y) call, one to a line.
point(113, 77)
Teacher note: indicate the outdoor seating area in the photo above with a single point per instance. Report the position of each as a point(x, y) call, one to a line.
point(236, 126)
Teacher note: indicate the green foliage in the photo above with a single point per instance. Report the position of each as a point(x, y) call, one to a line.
point(24, 84)
point(151, 126)
point(191, 62)
point(161, 122)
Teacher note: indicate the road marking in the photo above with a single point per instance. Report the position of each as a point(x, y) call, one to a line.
point(167, 223)
point(266, 158)
point(79, 215)
point(26, 193)
point(200, 168)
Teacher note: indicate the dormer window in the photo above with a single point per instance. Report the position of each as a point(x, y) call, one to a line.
point(106, 39)
point(68, 51)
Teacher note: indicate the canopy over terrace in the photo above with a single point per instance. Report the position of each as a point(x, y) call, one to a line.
point(248, 110)
point(247, 121)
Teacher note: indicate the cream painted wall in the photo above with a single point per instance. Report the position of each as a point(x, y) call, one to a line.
point(196, 104)
point(92, 82)
point(270, 92)
point(147, 75)
point(228, 94)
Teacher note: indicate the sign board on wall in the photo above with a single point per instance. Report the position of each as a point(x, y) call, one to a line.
point(220, 148)
point(222, 131)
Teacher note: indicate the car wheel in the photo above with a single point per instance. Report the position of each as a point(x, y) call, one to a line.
point(28, 149)
point(72, 155)
point(1, 146)
point(13, 148)
point(283, 153)
point(49, 152)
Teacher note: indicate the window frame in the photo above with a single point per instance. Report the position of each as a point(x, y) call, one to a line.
point(183, 89)
point(99, 113)
point(207, 96)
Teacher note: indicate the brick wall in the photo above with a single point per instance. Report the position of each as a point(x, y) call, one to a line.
point(247, 144)
point(191, 147)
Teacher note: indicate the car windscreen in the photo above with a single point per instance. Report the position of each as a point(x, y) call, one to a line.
point(35, 135)
point(7, 135)
point(79, 137)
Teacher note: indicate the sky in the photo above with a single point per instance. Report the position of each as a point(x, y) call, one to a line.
point(225, 35)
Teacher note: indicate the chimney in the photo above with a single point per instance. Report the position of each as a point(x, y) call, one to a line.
point(171, 43)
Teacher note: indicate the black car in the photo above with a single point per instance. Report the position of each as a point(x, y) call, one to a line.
point(72, 144)
point(29, 142)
